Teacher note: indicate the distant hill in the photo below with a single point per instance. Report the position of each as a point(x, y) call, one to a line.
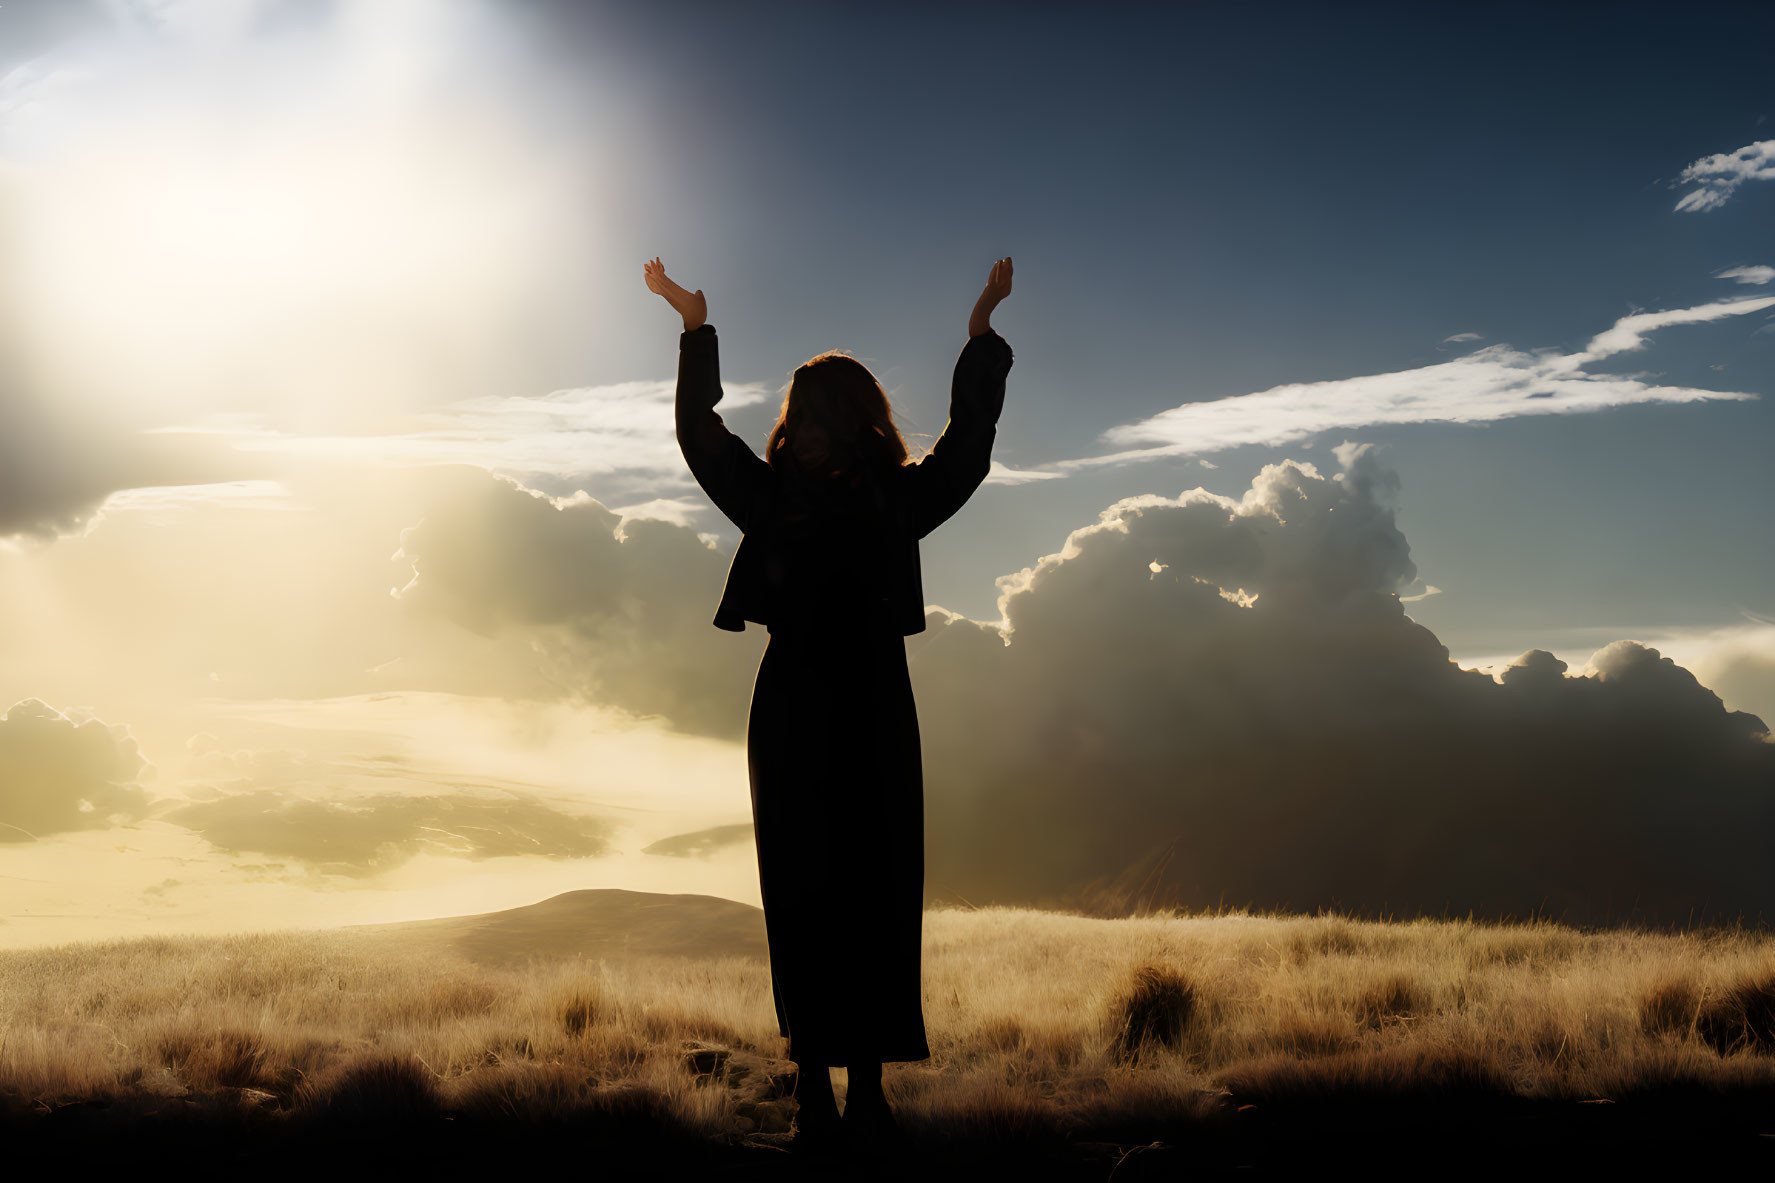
point(592, 924)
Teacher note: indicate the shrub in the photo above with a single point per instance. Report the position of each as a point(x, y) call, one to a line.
point(381, 1088)
point(1154, 1009)
point(1740, 1014)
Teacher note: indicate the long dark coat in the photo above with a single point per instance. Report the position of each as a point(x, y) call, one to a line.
point(832, 741)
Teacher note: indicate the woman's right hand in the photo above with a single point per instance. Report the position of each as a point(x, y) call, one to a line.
point(690, 305)
point(998, 286)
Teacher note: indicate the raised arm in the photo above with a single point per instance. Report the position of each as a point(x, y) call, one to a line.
point(733, 476)
point(958, 462)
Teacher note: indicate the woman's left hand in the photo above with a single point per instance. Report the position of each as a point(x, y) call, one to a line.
point(690, 305)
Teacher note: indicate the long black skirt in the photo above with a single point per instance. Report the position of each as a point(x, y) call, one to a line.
point(838, 806)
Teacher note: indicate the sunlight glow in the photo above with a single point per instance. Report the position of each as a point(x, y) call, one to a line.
point(318, 216)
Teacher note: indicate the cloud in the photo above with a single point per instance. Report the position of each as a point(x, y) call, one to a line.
point(1459, 337)
point(65, 770)
point(368, 835)
point(1496, 382)
point(28, 88)
point(164, 502)
point(701, 843)
point(622, 433)
point(1747, 676)
point(56, 475)
point(1229, 683)
point(44, 490)
point(618, 610)
point(680, 511)
point(1758, 274)
point(1628, 334)
point(1718, 176)
point(357, 815)
point(1737, 661)
point(1001, 473)
point(1260, 716)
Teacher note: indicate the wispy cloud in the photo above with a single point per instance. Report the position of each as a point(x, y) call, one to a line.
point(1629, 333)
point(680, 511)
point(624, 427)
point(1003, 474)
point(26, 88)
point(1718, 176)
point(1457, 338)
point(1758, 274)
point(173, 499)
point(1496, 382)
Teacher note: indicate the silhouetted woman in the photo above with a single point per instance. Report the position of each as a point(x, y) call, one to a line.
point(828, 563)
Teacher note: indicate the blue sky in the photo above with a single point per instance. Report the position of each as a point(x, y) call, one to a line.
point(1207, 202)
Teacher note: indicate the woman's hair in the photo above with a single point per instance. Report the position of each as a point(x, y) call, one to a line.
point(835, 422)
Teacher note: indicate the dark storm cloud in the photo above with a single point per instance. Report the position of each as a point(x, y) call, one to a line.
point(1229, 688)
point(1260, 716)
point(65, 771)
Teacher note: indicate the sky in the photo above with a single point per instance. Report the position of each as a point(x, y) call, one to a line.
point(349, 571)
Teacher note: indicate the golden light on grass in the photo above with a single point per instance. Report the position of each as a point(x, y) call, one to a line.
point(1042, 1023)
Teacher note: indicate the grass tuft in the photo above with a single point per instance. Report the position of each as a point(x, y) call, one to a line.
point(384, 1088)
point(579, 1012)
point(1391, 999)
point(217, 1059)
point(1740, 1015)
point(1155, 1010)
point(1670, 1007)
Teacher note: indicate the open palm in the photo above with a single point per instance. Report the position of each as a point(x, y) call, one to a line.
point(690, 305)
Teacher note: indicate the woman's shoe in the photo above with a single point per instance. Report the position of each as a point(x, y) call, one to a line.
point(871, 1123)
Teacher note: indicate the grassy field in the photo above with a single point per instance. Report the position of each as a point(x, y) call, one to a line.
point(1079, 1046)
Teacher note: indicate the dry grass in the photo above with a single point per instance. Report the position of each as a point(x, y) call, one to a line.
point(1043, 1027)
point(1155, 1010)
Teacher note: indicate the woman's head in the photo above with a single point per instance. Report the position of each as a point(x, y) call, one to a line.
point(835, 421)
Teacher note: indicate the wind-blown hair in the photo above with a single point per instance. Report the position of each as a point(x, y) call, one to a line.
point(836, 423)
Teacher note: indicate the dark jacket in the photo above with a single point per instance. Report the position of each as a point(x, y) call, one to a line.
point(807, 557)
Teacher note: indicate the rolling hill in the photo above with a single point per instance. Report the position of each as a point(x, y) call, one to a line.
point(591, 924)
